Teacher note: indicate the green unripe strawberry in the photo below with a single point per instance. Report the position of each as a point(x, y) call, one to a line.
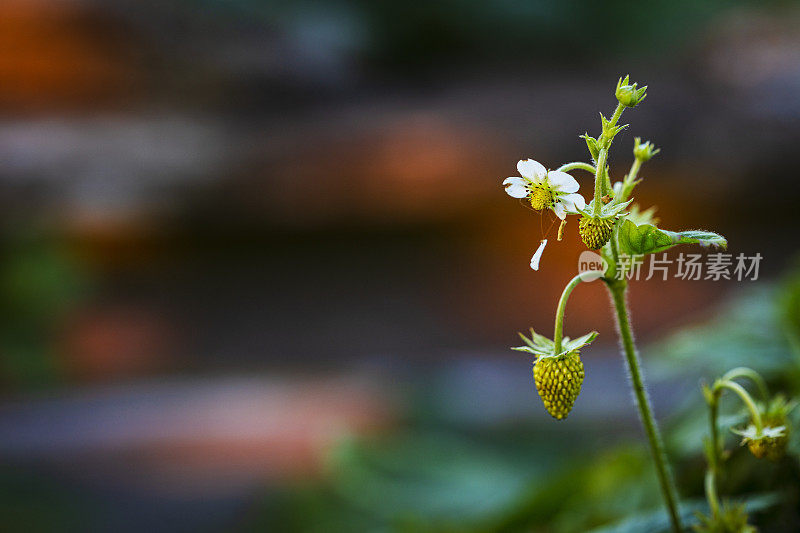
point(595, 231)
point(776, 414)
point(558, 381)
point(758, 447)
point(773, 448)
point(776, 448)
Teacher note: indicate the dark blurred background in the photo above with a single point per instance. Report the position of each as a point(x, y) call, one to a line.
point(259, 272)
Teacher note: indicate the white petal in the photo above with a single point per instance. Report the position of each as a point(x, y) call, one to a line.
point(561, 181)
point(560, 211)
point(538, 255)
point(533, 170)
point(573, 202)
point(516, 187)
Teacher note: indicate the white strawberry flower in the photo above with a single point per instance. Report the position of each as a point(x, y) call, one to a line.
point(546, 189)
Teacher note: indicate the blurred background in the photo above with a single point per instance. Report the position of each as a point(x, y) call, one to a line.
point(259, 273)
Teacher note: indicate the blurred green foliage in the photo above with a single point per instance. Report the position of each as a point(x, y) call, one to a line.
point(40, 283)
point(512, 479)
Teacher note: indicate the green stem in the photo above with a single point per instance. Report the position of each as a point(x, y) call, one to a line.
point(716, 452)
point(617, 114)
point(600, 177)
point(617, 288)
point(598, 181)
point(566, 167)
point(711, 493)
point(558, 334)
point(744, 372)
point(747, 399)
point(628, 183)
point(713, 411)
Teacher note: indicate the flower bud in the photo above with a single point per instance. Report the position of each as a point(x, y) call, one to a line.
point(643, 152)
point(627, 94)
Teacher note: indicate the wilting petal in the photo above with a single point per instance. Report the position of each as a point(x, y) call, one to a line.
point(533, 170)
point(561, 181)
point(573, 202)
point(560, 211)
point(516, 187)
point(538, 255)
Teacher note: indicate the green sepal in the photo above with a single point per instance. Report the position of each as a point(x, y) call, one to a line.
point(639, 216)
point(570, 345)
point(609, 210)
point(592, 145)
point(536, 344)
point(541, 346)
point(648, 239)
point(609, 131)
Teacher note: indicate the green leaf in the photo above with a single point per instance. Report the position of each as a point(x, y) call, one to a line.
point(648, 239)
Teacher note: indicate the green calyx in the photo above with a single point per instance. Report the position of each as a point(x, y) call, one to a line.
point(628, 94)
point(643, 151)
point(542, 347)
point(732, 518)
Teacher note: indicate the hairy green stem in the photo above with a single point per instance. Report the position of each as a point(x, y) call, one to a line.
point(617, 288)
point(598, 181)
point(628, 182)
point(602, 183)
point(566, 167)
point(617, 114)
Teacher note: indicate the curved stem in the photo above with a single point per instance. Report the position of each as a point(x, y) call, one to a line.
point(744, 372)
point(566, 167)
point(558, 334)
point(747, 399)
point(617, 289)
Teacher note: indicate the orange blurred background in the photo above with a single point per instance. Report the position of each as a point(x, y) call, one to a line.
point(235, 233)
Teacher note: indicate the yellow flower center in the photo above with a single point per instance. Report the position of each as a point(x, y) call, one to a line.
point(541, 197)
